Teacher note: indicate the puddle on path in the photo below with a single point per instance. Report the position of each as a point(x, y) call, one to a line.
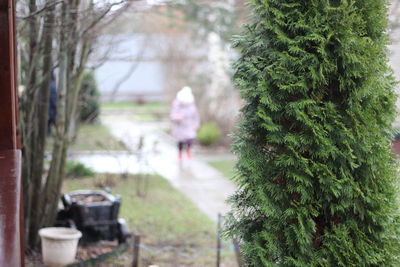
point(123, 163)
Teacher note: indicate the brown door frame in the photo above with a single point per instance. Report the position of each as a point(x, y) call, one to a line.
point(8, 105)
point(11, 217)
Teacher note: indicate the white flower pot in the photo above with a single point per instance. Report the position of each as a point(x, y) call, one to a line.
point(59, 245)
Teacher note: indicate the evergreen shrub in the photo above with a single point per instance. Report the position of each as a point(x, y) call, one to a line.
point(316, 176)
point(77, 170)
point(89, 98)
point(209, 133)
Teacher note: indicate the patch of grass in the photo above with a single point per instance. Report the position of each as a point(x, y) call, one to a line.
point(92, 137)
point(152, 111)
point(96, 137)
point(150, 106)
point(226, 167)
point(117, 105)
point(147, 116)
point(163, 217)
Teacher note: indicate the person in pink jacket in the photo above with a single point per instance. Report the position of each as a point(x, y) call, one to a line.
point(185, 121)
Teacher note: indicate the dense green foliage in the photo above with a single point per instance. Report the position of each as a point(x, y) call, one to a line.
point(209, 133)
point(77, 170)
point(317, 179)
point(89, 98)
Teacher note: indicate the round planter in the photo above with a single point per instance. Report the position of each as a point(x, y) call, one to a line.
point(59, 245)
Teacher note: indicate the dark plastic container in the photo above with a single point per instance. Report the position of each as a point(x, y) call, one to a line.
point(94, 213)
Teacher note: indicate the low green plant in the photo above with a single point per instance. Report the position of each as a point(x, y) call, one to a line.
point(89, 104)
point(209, 134)
point(77, 169)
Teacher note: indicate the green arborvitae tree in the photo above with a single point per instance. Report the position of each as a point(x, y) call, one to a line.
point(317, 179)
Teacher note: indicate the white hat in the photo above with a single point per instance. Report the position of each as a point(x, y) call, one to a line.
point(185, 95)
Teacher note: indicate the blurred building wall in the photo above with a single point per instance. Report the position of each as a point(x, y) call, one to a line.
point(127, 69)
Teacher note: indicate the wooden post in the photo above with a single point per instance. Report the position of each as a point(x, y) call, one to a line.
point(8, 103)
point(136, 249)
point(11, 219)
point(219, 240)
point(237, 252)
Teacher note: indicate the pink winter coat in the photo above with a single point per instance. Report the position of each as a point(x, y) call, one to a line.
point(185, 121)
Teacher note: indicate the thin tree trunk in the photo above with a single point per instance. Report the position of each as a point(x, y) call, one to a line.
point(76, 86)
point(75, 42)
point(54, 195)
point(28, 114)
point(42, 123)
point(50, 192)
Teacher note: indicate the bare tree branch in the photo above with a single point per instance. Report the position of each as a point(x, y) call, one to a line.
point(38, 12)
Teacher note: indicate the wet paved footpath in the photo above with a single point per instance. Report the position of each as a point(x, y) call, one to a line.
point(201, 183)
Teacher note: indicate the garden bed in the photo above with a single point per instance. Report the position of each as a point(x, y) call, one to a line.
point(163, 217)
